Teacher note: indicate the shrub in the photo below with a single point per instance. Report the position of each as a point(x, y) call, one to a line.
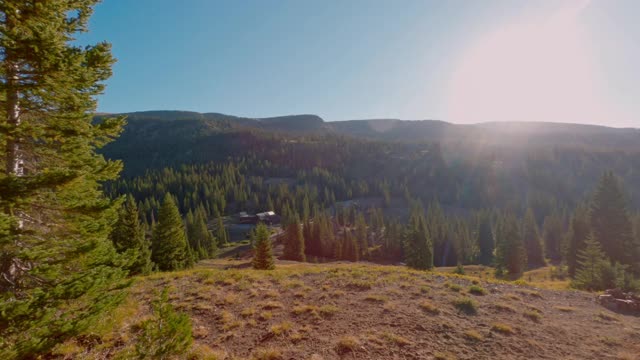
point(477, 290)
point(167, 333)
point(347, 344)
point(502, 328)
point(533, 315)
point(281, 328)
point(267, 354)
point(459, 269)
point(397, 339)
point(565, 308)
point(429, 308)
point(473, 335)
point(504, 307)
point(466, 305)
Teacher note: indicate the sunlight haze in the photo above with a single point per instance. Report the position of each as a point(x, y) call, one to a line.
point(458, 61)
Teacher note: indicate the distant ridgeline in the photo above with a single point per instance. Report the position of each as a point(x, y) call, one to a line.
point(465, 166)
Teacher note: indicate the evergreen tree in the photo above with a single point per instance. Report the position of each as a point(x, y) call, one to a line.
point(128, 237)
point(294, 241)
point(54, 219)
point(591, 262)
point(486, 242)
point(263, 258)
point(221, 233)
point(418, 246)
point(200, 239)
point(576, 237)
point(170, 249)
point(510, 251)
point(532, 241)
point(610, 222)
point(361, 235)
point(553, 231)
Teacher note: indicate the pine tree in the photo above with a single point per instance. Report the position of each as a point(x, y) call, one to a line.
point(128, 237)
point(170, 249)
point(532, 241)
point(263, 258)
point(553, 231)
point(591, 262)
point(200, 239)
point(418, 246)
point(486, 242)
point(610, 222)
point(576, 238)
point(510, 251)
point(54, 219)
point(361, 236)
point(221, 233)
point(294, 241)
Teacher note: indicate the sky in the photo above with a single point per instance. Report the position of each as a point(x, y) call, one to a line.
point(462, 61)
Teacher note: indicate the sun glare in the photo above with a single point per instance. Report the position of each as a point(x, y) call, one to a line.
point(535, 70)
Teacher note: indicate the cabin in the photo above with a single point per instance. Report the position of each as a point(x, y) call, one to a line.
point(267, 217)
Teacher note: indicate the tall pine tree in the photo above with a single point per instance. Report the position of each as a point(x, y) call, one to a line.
point(591, 262)
point(294, 241)
point(510, 251)
point(263, 257)
point(418, 248)
point(611, 224)
point(486, 242)
point(170, 249)
point(54, 219)
point(576, 237)
point(129, 238)
point(532, 240)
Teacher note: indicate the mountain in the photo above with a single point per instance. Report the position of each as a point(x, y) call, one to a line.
point(499, 134)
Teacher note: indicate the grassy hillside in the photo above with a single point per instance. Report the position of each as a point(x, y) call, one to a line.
point(361, 311)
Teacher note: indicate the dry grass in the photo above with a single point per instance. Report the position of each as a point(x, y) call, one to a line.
point(347, 344)
point(267, 354)
point(397, 339)
point(473, 335)
point(566, 309)
point(429, 307)
point(502, 328)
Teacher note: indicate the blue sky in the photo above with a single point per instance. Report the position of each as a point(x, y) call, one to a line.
point(460, 61)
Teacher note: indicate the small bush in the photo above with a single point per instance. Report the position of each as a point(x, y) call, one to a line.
point(504, 307)
point(347, 344)
point(270, 305)
point(473, 335)
point(167, 333)
point(459, 269)
point(397, 339)
point(533, 315)
point(443, 356)
point(466, 305)
point(477, 290)
point(281, 328)
point(328, 310)
point(565, 308)
point(265, 315)
point(502, 328)
point(376, 298)
point(453, 287)
point(267, 354)
point(429, 308)
point(607, 317)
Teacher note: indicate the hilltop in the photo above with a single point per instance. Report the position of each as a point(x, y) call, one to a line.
point(362, 311)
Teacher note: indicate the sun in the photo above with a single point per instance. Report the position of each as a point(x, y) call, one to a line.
point(534, 70)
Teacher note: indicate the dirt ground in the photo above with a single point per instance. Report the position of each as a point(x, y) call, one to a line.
point(360, 311)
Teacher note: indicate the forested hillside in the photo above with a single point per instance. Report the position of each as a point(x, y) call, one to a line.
point(476, 187)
